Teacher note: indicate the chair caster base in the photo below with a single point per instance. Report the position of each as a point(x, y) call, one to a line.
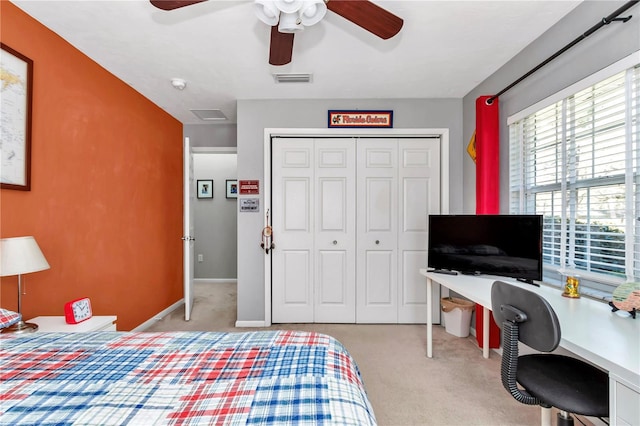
point(565, 419)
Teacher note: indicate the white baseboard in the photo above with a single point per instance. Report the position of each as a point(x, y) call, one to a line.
point(250, 324)
point(159, 316)
point(214, 280)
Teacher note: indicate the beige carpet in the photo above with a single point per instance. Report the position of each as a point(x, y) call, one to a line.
point(456, 387)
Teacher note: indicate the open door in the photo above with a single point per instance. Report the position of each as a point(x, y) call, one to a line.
point(188, 238)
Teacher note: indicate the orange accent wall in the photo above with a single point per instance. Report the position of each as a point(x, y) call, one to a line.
point(105, 204)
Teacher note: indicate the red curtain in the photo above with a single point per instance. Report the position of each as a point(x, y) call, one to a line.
point(487, 156)
point(487, 185)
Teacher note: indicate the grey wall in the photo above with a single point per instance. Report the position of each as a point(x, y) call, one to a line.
point(256, 115)
point(458, 115)
point(215, 220)
point(211, 135)
point(604, 47)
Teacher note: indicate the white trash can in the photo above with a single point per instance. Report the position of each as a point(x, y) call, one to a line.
point(457, 315)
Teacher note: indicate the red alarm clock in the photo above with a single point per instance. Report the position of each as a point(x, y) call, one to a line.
point(77, 310)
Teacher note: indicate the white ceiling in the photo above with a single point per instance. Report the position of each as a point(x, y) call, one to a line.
point(221, 49)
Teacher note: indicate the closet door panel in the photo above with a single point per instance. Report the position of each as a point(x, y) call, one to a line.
point(413, 289)
point(380, 278)
point(414, 219)
point(296, 204)
point(419, 187)
point(379, 196)
point(334, 303)
point(292, 220)
point(334, 238)
point(377, 231)
point(296, 278)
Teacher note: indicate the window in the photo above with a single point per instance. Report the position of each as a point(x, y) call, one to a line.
point(576, 161)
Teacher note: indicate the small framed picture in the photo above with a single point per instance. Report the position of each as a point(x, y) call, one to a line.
point(232, 188)
point(205, 188)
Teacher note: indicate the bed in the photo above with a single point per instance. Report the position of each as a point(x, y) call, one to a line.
point(179, 378)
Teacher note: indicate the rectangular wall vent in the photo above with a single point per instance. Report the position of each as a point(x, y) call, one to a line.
point(292, 78)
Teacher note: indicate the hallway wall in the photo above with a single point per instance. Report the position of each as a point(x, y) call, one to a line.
point(216, 218)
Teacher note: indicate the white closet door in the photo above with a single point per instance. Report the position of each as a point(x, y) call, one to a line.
point(419, 192)
point(335, 233)
point(377, 222)
point(350, 225)
point(293, 225)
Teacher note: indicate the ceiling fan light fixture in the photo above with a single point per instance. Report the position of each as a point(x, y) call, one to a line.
point(290, 23)
point(288, 6)
point(267, 12)
point(312, 12)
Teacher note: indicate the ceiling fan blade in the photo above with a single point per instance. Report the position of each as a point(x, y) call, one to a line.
point(369, 16)
point(281, 47)
point(174, 4)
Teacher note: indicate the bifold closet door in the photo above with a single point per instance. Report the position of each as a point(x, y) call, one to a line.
point(293, 223)
point(313, 202)
point(335, 231)
point(377, 222)
point(419, 195)
point(398, 186)
point(350, 225)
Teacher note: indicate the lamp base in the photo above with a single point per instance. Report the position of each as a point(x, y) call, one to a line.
point(21, 327)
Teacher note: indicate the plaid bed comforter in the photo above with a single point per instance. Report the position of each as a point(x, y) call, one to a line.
point(179, 378)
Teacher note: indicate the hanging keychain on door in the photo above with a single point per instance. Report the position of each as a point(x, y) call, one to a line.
point(267, 236)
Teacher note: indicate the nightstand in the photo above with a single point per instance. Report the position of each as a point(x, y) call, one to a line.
point(96, 323)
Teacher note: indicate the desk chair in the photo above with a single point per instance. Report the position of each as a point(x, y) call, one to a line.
point(548, 380)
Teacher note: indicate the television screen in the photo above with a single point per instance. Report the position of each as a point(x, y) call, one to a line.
point(505, 245)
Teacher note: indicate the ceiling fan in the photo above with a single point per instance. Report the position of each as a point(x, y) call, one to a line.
point(287, 17)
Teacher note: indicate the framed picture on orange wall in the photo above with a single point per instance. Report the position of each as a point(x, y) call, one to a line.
point(16, 75)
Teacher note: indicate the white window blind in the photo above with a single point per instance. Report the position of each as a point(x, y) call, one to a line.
point(576, 162)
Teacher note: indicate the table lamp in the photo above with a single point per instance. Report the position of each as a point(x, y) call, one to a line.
point(20, 255)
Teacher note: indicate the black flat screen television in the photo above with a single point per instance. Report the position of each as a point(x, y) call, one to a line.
point(504, 245)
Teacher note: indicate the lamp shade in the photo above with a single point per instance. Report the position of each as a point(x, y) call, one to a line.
point(21, 255)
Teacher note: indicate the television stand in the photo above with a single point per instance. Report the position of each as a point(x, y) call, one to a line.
point(444, 271)
point(527, 281)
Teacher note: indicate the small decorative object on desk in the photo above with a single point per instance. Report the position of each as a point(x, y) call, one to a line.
point(77, 310)
point(571, 288)
point(626, 298)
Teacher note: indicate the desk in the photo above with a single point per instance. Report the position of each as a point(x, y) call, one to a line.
point(473, 288)
point(588, 329)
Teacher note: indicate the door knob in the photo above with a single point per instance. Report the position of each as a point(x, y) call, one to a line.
point(335, 242)
point(377, 241)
